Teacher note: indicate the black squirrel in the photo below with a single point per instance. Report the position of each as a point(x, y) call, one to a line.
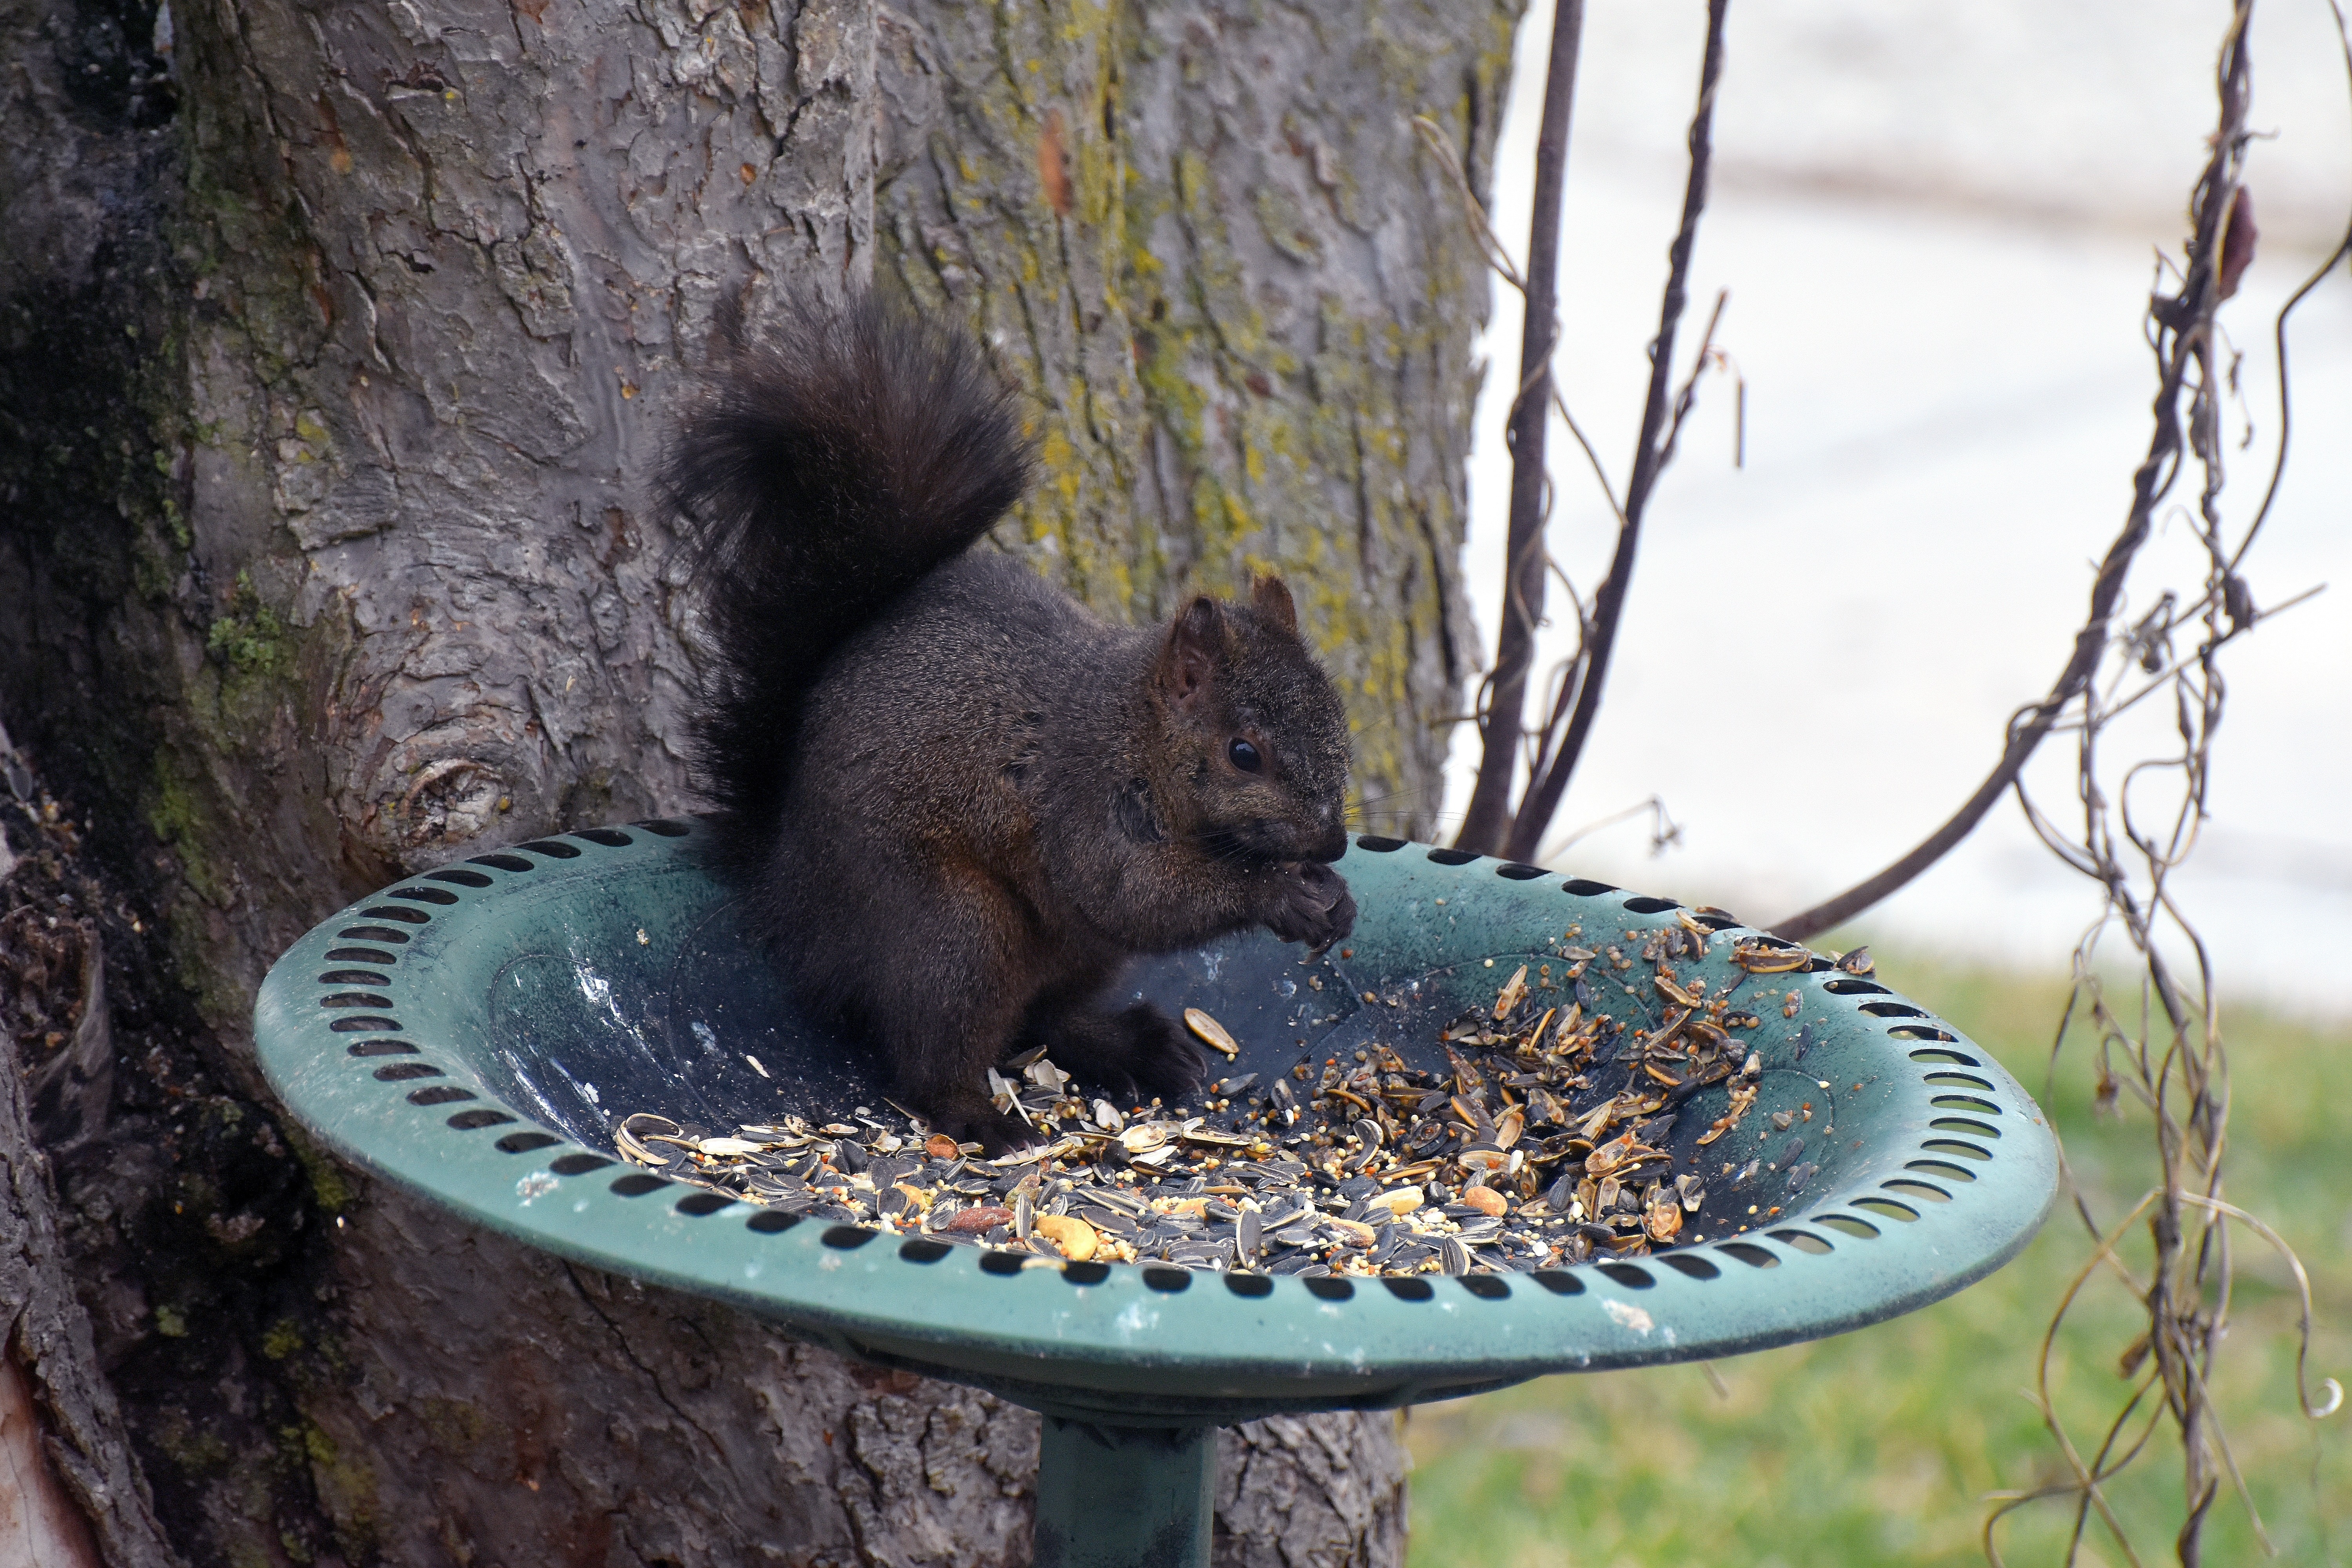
point(958, 802)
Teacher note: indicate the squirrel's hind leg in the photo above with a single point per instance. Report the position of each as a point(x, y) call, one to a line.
point(1135, 1054)
point(940, 1054)
point(932, 979)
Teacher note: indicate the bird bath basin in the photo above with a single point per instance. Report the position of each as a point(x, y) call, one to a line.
point(474, 1034)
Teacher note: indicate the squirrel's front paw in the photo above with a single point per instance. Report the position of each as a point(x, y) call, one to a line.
point(1314, 906)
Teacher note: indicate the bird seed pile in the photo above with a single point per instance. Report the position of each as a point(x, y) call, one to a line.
point(1543, 1141)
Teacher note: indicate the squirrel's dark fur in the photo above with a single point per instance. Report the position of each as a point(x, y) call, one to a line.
point(959, 801)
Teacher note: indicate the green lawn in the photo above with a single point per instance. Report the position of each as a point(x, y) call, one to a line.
point(1879, 1446)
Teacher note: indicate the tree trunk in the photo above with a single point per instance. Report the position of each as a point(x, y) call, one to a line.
point(71, 1493)
point(335, 346)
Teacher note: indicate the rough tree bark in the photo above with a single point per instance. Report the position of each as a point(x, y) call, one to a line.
point(335, 343)
point(74, 1495)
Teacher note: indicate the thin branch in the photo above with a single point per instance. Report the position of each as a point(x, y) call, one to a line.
point(2086, 1478)
point(2183, 324)
point(1688, 393)
point(1523, 577)
point(1652, 450)
point(1433, 138)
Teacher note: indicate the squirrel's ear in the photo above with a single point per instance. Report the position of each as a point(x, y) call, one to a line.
point(1271, 598)
point(1188, 658)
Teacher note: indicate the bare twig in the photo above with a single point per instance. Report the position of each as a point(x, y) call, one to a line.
point(1523, 572)
point(1651, 452)
point(2183, 325)
point(2332, 1399)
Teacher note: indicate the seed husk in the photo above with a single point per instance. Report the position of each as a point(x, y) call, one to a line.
point(1757, 958)
point(1210, 1032)
point(1514, 992)
point(1546, 1135)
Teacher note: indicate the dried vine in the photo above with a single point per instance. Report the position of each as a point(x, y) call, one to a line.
point(2138, 820)
point(2164, 1046)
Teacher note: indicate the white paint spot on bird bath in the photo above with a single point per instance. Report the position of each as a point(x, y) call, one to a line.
point(1626, 1315)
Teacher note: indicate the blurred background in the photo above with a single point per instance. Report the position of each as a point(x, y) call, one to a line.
point(1939, 225)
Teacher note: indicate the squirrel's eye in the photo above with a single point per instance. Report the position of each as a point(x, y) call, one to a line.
point(1245, 756)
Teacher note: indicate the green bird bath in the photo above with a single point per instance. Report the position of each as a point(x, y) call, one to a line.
point(474, 1033)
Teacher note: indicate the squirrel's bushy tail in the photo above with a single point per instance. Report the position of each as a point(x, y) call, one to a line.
point(829, 466)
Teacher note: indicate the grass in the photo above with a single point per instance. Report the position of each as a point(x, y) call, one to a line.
point(1879, 1446)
